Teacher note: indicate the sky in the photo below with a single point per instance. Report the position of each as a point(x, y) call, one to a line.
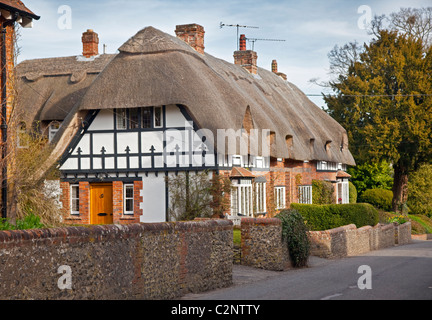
point(310, 29)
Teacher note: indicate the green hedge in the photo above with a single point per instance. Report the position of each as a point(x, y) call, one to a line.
point(380, 198)
point(323, 192)
point(324, 217)
point(352, 193)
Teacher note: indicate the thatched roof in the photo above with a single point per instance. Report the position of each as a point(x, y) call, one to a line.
point(154, 68)
point(49, 88)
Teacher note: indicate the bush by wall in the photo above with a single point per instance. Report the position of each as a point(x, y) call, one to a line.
point(324, 217)
point(295, 233)
point(323, 192)
point(379, 198)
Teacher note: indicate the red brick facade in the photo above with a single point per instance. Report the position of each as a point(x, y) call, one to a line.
point(84, 216)
point(290, 174)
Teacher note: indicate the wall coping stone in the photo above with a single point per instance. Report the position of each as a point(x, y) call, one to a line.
point(99, 232)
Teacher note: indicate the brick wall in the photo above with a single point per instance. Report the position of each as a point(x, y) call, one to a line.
point(117, 200)
point(84, 202)
point(350, 241)
point(137, 261)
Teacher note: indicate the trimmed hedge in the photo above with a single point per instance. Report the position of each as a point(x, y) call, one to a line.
point(352, 193)
point(380, 198)
point(325, 217)
point(323, 192)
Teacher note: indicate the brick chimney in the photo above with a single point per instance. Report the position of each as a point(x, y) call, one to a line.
point(275, 70)
point(90, 41)
point(246, 58)
point(192, 34)
point(274, 66)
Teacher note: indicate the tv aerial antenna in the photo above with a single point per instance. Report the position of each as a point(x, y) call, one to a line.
point(253, 40)
point(237, 26)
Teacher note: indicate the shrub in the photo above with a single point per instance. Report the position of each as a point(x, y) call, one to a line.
point(294, 232)
point(352, 193)
point(323, 192)
point(372, 175)
point(379, 198)
point(420, 191)
point(28, 222)
point(324, 217)
point(318, 217)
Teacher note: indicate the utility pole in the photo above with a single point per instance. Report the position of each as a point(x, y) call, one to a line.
point(4, 126)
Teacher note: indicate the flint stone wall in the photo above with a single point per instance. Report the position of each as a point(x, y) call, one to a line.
point(350, 241)
point(137, 261)
point(262, 245)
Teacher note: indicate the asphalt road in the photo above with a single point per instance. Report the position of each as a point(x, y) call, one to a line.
point(397, 273)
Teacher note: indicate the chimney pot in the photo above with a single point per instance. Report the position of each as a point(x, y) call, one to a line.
point(274, 66)
point(192, 34)
point(242, 42)
point(90, 41)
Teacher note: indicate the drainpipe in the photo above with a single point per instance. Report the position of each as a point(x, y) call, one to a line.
point(4, 126)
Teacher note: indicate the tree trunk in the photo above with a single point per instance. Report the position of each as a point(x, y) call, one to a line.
point(400, 189)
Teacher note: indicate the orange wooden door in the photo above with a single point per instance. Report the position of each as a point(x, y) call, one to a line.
point(101, 203)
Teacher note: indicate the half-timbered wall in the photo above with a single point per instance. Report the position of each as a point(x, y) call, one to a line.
point(123, 146)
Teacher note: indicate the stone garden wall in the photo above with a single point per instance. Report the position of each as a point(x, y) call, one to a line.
point(137, 261)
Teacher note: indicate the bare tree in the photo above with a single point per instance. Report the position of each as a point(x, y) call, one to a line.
point(27, 150)
point(415, 22)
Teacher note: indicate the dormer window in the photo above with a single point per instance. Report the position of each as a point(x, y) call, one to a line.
point(236, 161)
point(136, 118)
point(52, 130)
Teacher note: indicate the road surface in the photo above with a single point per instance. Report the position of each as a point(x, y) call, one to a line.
point(397, 273)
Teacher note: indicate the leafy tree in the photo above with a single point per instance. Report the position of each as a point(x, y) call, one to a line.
point(384, 102)
point(420, 186)
point(373, 175)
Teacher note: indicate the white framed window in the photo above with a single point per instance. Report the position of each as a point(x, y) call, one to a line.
point(328, 166)
point(260, 197)
point(52, 130)
point(279, 197)
point(128, 198)
point(242, 198)
point(134, 118)
point(157, 115)
point(236, 160)
point(342, 191)
point(259, 162)
point(305, 194)
point(74, 199)
point(121, 119)
point(146, 117)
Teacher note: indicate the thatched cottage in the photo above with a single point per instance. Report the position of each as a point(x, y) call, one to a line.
point(121, 123)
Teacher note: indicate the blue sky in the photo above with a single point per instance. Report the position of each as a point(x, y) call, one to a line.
point(310, 28)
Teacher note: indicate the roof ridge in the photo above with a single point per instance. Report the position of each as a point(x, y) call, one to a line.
point(152, 40)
